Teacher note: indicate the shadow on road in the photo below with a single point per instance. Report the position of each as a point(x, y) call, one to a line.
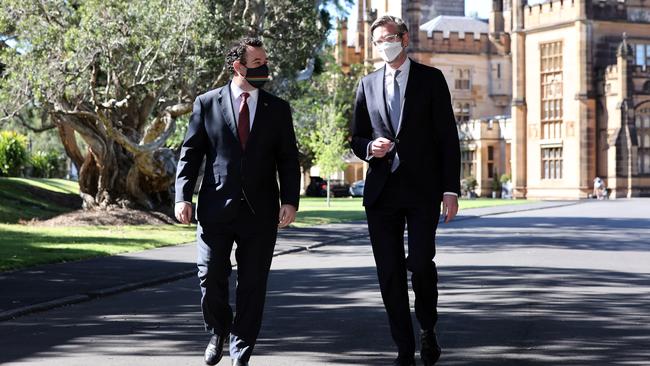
point(489, 314)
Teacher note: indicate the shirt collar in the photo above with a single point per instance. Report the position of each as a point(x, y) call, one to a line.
point(236, 92)
point(404, 67)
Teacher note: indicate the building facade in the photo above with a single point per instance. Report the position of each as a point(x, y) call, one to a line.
point(569, 78)
point(579, 105)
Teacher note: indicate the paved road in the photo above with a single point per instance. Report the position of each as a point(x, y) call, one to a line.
point(556, 286)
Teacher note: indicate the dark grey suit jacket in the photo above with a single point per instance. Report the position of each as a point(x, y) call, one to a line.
point(271, 155)
point(427, 141)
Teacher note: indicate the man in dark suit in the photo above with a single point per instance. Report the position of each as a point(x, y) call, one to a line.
point(246, 137)
point(405, 129)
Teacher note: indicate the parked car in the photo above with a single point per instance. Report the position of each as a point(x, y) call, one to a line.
point(318, 187)
point(356, 189)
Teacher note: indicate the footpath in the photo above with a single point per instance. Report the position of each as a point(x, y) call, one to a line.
point(48, 286)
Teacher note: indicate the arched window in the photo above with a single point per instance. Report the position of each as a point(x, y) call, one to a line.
point(646, 87)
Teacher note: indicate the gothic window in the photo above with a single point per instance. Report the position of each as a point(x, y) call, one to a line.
point(642, 121)
point(462, 112)
point(551, 162)
point(462, 81)
point(642, 55)
point(468, 163)
point(551, 94)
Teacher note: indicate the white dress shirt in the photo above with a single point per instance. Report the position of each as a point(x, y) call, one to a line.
point(235, 97)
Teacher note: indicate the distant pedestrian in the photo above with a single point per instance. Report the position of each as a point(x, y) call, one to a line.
point(246, 137)
point(404, 127)
point(600, 191)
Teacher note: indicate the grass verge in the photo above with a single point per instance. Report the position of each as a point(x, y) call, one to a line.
point(24, 246)
point(314, 210)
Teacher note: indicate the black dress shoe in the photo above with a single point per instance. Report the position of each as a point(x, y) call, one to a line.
point(214, 350)
point(430, 351)
point(404, 361)
point(239, 363)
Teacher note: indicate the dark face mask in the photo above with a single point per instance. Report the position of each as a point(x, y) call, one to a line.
point(257, 76)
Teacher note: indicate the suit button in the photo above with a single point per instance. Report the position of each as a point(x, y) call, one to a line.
point(397, 141)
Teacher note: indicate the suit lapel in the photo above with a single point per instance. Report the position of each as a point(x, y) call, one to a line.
point(227, 110)
point(380, 98)
point(411, 87)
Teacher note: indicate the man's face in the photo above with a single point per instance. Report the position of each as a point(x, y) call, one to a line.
point(389, 33)
point(255, 57)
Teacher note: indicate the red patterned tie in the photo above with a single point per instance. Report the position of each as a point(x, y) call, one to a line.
point(244, 126)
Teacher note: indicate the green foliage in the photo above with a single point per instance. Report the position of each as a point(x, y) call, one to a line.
point(120, 72)
point(330, 91)
point(496, 184)
point(175, 141)
point(328, 139)
point(468, 184)
point(13, 153)
point(46, 164)
point(505, 178)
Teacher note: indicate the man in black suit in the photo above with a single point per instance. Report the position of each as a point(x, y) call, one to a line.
point(246, 137)
point(405, 129)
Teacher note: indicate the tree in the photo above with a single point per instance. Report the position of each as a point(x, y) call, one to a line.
point(328, 141)
point(329, 90)
point(120, 73)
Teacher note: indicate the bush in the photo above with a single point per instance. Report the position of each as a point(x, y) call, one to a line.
point(468, 185)
point(46, 165)
point(505, 178)
point(13, 153)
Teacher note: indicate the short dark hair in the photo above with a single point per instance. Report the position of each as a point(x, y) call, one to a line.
point(386, 19)
point(238, 51)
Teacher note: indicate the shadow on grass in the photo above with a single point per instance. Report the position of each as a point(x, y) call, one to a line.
point(21, 201)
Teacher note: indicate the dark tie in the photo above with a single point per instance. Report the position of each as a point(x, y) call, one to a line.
point(395, 111)
point(395, 104)
point(244, 126)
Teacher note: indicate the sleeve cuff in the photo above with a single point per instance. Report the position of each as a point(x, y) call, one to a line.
point(450, 194)
point(368, 153)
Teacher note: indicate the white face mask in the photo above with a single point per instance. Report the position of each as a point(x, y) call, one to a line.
point(389, 51)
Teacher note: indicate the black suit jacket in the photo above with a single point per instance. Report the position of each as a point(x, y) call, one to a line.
point(230, 173)
point(427, 141)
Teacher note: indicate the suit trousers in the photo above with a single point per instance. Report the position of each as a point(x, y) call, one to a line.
point(386, 223)
point(255, 240)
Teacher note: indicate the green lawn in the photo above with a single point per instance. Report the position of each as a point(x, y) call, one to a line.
point(24, 199)
point(24, 245)
point(314, 210)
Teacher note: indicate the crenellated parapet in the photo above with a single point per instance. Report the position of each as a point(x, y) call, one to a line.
point(459, 42)
point(552, 12)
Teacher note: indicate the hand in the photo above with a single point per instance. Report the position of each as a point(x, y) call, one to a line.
point(183, 212)
point(449, 207)
point(380, 147)
point(287, 215)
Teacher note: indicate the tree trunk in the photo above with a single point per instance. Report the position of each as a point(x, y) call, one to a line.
point(111, 176)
